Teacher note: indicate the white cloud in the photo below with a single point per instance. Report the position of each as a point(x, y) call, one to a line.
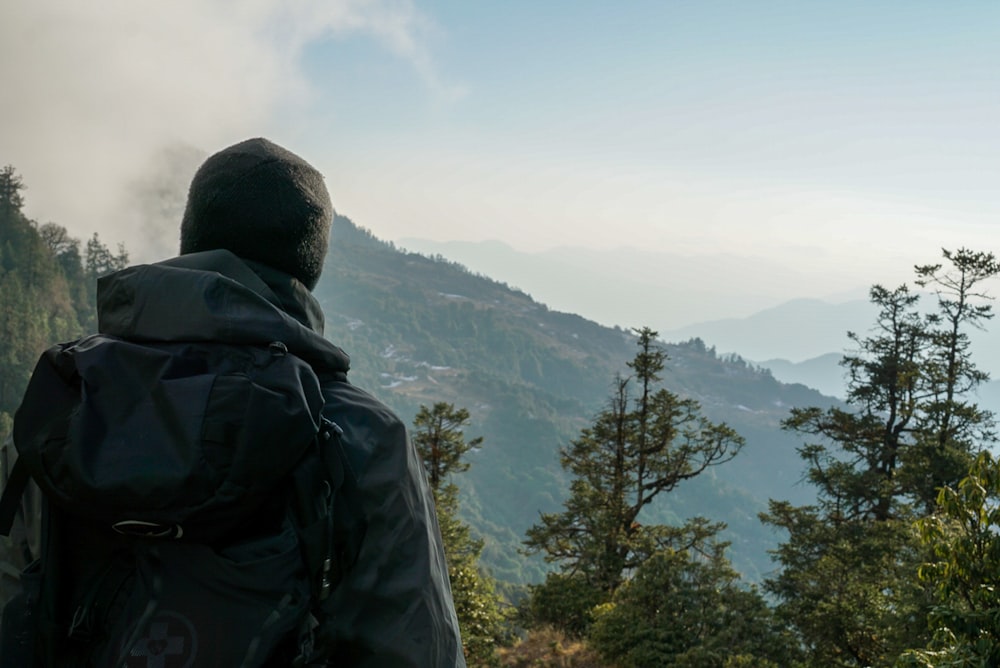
point(94, 91)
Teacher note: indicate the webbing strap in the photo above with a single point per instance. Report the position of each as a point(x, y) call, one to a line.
point(11, 499)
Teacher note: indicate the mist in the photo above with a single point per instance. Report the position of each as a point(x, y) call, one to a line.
point(110, 105)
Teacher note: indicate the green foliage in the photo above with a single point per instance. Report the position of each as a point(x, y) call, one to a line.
point(638, 448)
point(98, 260)
point(66, 251)
point(848, 587)
point(11, 187)
point(35, 307)
point(964, 572)
point(438, 436)
point(482, 621)
point(953, 426)
point(6, 424)
point(437, 433)
point(692, 613)
point(565, 601)
point(848, 580)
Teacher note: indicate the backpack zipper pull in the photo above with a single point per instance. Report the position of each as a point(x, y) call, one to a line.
point(324, 588)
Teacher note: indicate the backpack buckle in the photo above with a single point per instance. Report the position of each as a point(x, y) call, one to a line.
point(144, 529)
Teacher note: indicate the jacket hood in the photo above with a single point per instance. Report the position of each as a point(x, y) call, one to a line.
point(216, 296)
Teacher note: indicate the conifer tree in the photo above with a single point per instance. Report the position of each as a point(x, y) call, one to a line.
point(442, 445)
point(848, 580)
point(11, 187)
point(646, 442)
point(439, 438)
point(66, 251)
point(953, 428)
point(98, 261)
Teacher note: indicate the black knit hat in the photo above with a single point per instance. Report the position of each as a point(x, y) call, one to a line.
point(263, 203)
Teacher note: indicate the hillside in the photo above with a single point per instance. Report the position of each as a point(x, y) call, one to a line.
point(423, 329)
point(611, 284)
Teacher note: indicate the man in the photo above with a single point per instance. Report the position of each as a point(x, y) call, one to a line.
point(254, 238)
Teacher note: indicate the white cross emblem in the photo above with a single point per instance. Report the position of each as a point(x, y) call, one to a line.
point(170, 643)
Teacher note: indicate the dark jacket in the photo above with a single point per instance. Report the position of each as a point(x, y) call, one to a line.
point(394, 605)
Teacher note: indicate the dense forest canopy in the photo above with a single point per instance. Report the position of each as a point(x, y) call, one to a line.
point(47, 289)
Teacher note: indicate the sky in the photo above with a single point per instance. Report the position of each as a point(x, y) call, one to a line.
point(848, 140)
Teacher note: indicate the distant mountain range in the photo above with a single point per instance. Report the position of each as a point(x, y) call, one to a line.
point(799, 340)
point(612, 285)
point(422, 329)
point(773, 337)
point(798, 330)
point(822, 373)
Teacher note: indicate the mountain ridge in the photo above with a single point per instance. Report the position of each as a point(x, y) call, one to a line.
point(423, 329)
point(610, 285)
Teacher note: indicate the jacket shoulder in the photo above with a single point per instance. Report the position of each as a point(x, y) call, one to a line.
point(370, 428)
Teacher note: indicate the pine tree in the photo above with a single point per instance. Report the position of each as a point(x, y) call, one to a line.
point(11, 187)
point(952, 427)
point(98, 261)
point(848, 579)
point(441, 443)
point(439, 438)
point(66, 251)
point(646, 442)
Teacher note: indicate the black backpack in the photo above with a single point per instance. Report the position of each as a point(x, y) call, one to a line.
point(188, 507)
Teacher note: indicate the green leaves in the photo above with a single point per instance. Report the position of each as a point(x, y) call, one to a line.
point(11, 187)
point(646, 442)
point(849, 565)
point(437, 433)
point(683, 611)
point(36, 308)
point(439, 438)
point(964, 571)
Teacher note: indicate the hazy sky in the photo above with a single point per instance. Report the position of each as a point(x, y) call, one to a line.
point(849, 138)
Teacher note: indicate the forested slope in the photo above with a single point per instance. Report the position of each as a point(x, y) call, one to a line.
point(423, 329)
